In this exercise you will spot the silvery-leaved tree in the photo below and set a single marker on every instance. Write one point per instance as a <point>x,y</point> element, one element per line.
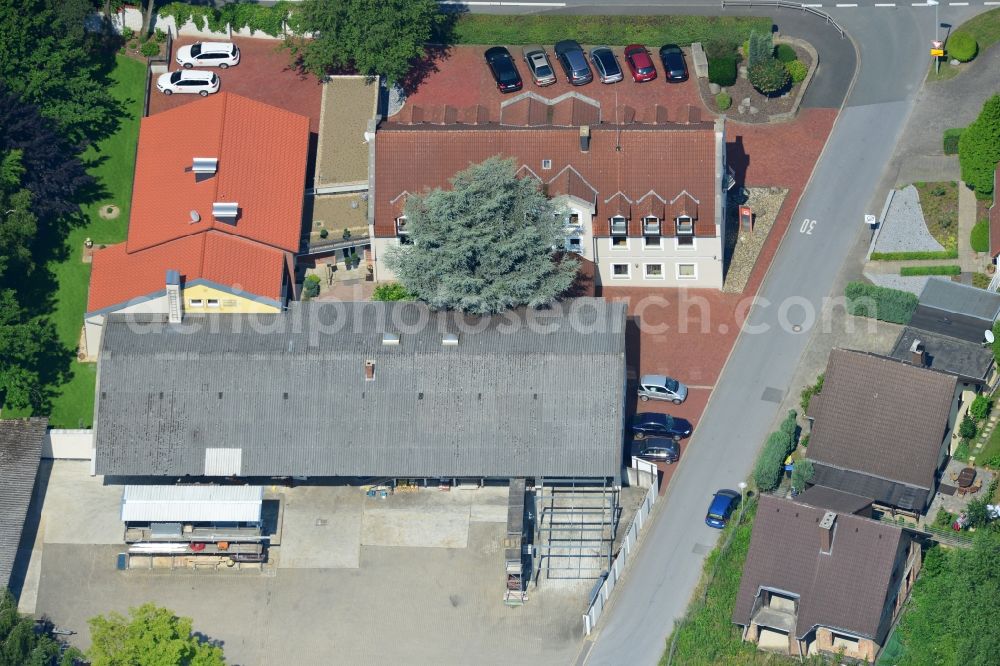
<point>487,245</point>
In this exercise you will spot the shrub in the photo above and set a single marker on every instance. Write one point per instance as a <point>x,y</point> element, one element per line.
<point>768,76</point>
<point>767,471</point>
<point>159,36</point>
<point>961,451</point>
<point>979,148</point>
<point>722,71</point>
<point>804,441</point>
<point>951,137</point>
<point>967,428</point>
<point>760,48</point>
<point>150,49</point>
<point>809,391</point>
<point>785,53</point>
<point>910,271</point>
<point>980,407</point>
<point>127,33</point>
<point>868,300</point>
<point>962,46</point>
<point>797,70</point>
<point>723,101</point>
<point>310,287</point>
<point>323,233</point>
<point>944,519</point>
<point>802,473</point>
<point>980,238</point>
<point>720,48</point>
<point>908,256</point>
<point>391,291</point>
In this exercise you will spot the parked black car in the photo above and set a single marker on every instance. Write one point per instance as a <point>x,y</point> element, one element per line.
<point>574,62</point>
<point>662,425</point>
<point>504,70</point>
<point>656,449</point>
<point>674,66</point>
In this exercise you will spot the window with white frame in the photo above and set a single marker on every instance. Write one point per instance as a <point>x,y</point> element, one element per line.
<point>619,242</point>
<point>653,271</point>
<point>574,219</point>
<point>684,242</point>
<point>651,225</point>
<point>213,302</point>
<point>195,303</point>
<point>685,225</point>
<point>619,225</point>
<point>574,244</point>
<point>687,271</point>
<point>652,242</point>
<point>621,271</point>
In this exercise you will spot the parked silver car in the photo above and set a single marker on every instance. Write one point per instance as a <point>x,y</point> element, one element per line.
<point>539,66</point>
<point>661,387</point>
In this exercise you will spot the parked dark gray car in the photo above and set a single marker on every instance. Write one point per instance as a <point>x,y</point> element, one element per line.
<point>574,62</point>
<point>606,64</point>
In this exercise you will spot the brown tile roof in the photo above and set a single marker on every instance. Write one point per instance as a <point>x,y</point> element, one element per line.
<point>881,417</point>
<point>823,497</point>
<point>574,111</point>
<point>665,160</point>
<point>995,215</point>
<point>844,589</point>
<point>525,112</point>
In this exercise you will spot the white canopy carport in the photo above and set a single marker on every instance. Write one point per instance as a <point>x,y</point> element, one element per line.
<point>192,504</point>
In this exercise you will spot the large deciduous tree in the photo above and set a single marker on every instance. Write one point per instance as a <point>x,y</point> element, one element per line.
<point>979,148</point>
<point>21,643</point>
<point>152,636</point>
<point>484,246</point>
<point>48,59</point>
<point>372,37</point>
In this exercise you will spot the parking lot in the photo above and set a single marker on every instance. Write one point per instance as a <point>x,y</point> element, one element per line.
<point>264,74</point>
<point>415,577</point>
<point>460,77</point>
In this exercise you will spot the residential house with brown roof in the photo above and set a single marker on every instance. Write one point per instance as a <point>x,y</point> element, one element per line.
<point>817,580</point>
<point>881,429</point>
<point>216,216</point>
<point>995,217</point>
<point>642,194</point>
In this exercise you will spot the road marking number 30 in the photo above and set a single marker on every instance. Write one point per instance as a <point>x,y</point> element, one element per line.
<point>807,227</point>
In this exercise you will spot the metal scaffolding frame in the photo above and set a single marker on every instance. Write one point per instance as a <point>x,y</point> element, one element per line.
<point>575,525</point>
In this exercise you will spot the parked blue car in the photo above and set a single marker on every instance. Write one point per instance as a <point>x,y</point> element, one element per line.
<point>723,503</point>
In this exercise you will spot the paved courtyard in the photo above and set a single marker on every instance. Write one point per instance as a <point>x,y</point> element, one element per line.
<point>416,577</point>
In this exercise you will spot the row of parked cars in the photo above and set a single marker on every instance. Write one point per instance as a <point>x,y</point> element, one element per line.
<point>200,54</point>
<point>577,66</point>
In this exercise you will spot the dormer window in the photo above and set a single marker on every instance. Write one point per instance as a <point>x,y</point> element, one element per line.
<point>619,226</point>
<point>651,226</point>
<point>685,225</point>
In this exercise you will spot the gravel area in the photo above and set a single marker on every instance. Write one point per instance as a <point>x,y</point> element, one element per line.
<point>397,98</point>
<point>914,285</point>
<point>765,203</point>
<point>349,102</point>
<point>904,228</point>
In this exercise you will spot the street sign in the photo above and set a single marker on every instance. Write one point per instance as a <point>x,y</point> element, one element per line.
<point>937,53</point>
<point>937,44</point>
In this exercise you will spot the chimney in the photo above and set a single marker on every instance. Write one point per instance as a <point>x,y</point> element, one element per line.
<point>174,308</point>
<point>918,356</point>
<point>585,138</point>
<point>826,525</point>
<point>369,371</point>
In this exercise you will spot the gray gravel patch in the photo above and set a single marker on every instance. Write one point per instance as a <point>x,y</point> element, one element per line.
<point>914,285</point>
<point>396,100</point>
<point>904,228</point>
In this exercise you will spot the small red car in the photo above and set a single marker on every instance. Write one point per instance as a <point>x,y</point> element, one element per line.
<point>639,63</point>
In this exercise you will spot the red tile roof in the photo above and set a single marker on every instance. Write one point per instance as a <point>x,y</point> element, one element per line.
<point>995,215</point>
<point>262,152</point>
<point>225,260</point>
<point>630,159</point>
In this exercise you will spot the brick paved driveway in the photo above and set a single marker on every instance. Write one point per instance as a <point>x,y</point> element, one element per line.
<point>459,77</point>
<point>264,74</point>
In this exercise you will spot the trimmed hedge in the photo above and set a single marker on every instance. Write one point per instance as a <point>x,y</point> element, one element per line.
<point>785,53</point>
<point>980,239</point>
<point>723,101</point>
<point>797,70</point>
<point>882,303</point>
<point>722,71</point>
<point>962,46</point>
<point>611,30</point>
<point>767,472</point>
<point>910,271</point>
<point>907,256</point>
<point>950,140</point>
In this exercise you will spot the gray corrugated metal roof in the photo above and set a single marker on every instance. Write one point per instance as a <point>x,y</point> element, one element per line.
<point>20,450</point>
<point>192,504</point>
<point>518,396</point>
<point>958,298</point>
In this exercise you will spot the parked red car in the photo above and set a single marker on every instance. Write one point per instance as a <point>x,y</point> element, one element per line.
<point>639,63</point>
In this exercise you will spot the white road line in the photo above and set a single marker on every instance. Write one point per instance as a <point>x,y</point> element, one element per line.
<point>991,3</point>
<point>958,4</point>
<point>885,4</point>
<point>847,4</point>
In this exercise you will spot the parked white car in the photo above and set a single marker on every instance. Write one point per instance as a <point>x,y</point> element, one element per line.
<point>208,54</point>
<point>188,81</point>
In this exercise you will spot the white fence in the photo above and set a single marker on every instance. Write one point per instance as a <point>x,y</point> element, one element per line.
<point>68,444</point>
<point>602,593</point>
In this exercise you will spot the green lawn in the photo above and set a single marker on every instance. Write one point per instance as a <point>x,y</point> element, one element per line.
<point>112,163</point>
<point>613,30</point>
<point>990,452</point>
<point>985,28</point>
<point>939,203</point>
